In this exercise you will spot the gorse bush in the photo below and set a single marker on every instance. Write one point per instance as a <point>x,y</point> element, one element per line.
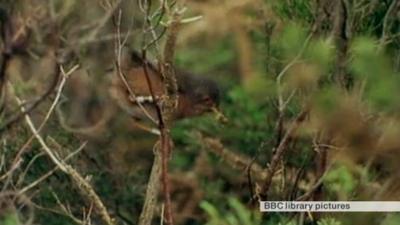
<point>308,93</point>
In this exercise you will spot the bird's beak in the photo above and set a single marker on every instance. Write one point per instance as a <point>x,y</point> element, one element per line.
<point>219,115</point>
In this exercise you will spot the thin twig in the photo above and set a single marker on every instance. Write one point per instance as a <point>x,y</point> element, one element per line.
<point>48,114</point>
<point>152,190</point>
<point>81,183</point>
<point>235,160</point>
<point>118,51</point>
<point>49,173</point>
<point>316,185</point>
<point>293,62</point>
<point>280,150</point>
<point>165,108</point>
<point>385,25</point>
<point>22,113</point>
<point>170,105</point>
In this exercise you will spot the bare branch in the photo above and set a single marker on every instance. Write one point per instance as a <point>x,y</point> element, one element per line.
<point>280,151</point>
<point>152,190</point>
<point>81,183</point>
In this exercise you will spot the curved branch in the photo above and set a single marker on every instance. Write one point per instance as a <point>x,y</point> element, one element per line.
<point>14,119</point>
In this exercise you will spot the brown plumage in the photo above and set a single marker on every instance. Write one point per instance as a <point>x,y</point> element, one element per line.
<point>197,95</point>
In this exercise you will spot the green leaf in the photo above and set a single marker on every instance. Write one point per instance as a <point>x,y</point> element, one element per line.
<point>292,39</point>
<point>329,221</point>
<point>340,179</point>
<point>391,219</point>
<point>242,213</point>
<point>321,52</point>
<point>10,219</point>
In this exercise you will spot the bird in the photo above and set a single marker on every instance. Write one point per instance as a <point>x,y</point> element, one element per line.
<point>196,94</point>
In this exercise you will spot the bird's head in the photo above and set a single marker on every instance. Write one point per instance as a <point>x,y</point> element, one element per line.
<point>197,95</point>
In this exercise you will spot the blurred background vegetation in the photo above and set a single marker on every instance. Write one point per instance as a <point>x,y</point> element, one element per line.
<point>337,63</point>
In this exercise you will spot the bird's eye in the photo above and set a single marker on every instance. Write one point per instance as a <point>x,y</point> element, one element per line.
<point>207,100</point>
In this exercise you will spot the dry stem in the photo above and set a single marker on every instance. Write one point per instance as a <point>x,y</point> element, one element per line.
<point>82,184</point>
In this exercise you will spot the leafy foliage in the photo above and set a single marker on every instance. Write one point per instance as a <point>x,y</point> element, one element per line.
<point>273,60</point>
<point>237,214</point>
